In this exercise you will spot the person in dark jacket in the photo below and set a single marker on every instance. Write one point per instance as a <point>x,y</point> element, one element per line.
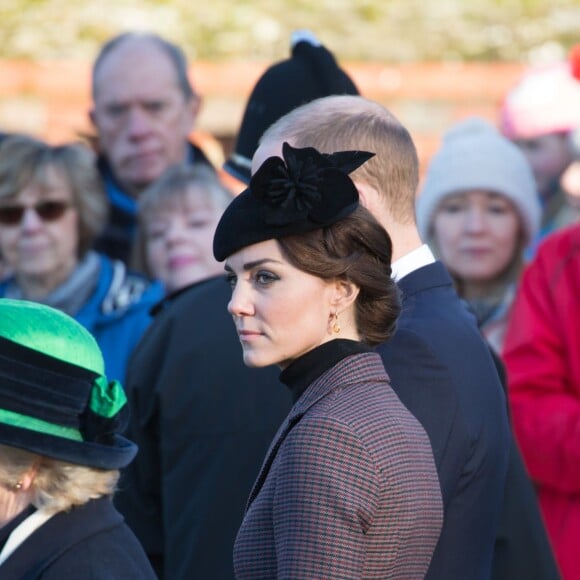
<point>202,419</point>
<point>439,365</point>
<point>60,453</point>
<point>144,108</point>
<point>203,422</point>
<point>51,208</point>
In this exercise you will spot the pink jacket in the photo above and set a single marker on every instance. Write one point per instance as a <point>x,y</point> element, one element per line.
<point>542,356</point>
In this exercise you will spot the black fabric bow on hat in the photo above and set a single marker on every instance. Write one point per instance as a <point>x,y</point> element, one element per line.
<point>306,184</point>
<point>300,192</point>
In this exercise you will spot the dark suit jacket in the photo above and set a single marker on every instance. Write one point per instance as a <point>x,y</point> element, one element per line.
<point>348,488</point>
<point>203,422</point>
<point>88,542</point>
<point>443,372</point>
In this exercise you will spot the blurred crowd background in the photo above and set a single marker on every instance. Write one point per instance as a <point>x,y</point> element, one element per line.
<point>432,63</point>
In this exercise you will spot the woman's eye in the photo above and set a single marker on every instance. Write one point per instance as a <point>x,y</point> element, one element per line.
<point>265,278</point>
<point>498,209</point>
<point>452,208</point>
<point>197,224</point>
<point>231,279</point>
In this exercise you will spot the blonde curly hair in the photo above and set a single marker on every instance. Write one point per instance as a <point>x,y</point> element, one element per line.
<point>58,485</point>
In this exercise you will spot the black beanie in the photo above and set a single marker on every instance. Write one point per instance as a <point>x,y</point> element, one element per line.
<point>310,73</point>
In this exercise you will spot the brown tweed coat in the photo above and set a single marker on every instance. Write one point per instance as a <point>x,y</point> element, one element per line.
<point>348,488</point>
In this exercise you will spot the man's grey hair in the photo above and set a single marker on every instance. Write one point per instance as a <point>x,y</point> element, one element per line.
<point>173,51</point>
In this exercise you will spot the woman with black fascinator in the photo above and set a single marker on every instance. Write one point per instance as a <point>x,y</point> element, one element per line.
<point>349,487</point>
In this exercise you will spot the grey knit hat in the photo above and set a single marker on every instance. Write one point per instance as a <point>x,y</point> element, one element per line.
<point>475,156</point>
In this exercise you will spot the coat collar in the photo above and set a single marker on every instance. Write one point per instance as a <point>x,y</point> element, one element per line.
<point>345,373</point>
<point>340,376</point>
<point>427,277</point>
<point>57,535</point>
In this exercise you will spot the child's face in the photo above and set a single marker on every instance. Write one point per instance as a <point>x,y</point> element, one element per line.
<point>549,156</point>
<point>178,241</point>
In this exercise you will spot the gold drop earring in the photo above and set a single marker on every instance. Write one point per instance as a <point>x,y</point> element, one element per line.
<point>336,325</point>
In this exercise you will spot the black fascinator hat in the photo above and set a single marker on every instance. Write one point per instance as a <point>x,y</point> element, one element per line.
<point>303,191</point>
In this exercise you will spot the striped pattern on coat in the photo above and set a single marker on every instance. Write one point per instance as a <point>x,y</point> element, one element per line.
<point>348,488</point>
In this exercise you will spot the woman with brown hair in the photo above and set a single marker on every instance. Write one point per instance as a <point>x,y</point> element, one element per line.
<point>52,207</point>
<point>349,487</point>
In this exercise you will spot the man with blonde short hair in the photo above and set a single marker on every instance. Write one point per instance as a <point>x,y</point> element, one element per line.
<point>437,361</point>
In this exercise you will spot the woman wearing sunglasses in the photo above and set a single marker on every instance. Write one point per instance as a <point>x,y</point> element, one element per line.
<point>51,209</point>
<point>349,487</point>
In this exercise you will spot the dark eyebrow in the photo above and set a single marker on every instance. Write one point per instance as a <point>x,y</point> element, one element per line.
<point>250,265</point>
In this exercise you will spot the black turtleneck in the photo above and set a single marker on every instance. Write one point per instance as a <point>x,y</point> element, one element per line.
<point>305,370</point>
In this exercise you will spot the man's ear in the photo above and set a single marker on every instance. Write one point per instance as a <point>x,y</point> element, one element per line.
<point>368,196</point>
<point>196,106</point>
<point>93,117</point>
<point>193,109</point>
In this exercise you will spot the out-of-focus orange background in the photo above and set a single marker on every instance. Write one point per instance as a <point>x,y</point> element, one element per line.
<point>51,98</point>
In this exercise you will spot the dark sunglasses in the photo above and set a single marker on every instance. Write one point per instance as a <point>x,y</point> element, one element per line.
<point>47,211</point>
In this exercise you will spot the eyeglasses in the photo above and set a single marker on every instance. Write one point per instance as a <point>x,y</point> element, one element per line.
<point>48,211</point>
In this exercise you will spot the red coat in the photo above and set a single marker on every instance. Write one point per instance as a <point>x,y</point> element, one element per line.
<point>348,488</point>
<point>542,355</point>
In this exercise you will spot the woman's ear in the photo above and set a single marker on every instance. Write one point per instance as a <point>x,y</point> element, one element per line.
<point>344,295</point>
<point>27,478</point>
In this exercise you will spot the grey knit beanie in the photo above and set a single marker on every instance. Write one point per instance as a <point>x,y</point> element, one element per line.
<point>475,156</point>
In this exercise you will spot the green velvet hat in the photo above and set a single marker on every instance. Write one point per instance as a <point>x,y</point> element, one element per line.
<point>54,397</point>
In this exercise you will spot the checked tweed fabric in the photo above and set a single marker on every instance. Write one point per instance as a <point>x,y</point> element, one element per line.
<point>348,488</point>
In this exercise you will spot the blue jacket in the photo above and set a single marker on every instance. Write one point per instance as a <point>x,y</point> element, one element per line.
<point>117,313</point>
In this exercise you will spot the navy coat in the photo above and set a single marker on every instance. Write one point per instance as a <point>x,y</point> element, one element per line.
<point>203,422</point>
<point>88,542</point>
<point>443,372</point>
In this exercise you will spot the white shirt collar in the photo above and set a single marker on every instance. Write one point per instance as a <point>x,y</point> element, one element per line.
<point>25,529</point>
<point>412,261</point>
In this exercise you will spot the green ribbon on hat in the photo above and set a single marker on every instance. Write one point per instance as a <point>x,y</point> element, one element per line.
<point>107,398</point>
<point>33,424</point>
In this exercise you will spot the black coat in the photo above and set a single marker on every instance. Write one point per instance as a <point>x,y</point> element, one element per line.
<point>88,542</point>
<point>203,422</point>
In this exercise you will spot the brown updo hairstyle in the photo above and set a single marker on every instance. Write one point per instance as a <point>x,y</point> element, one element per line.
<point>359,250</point>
